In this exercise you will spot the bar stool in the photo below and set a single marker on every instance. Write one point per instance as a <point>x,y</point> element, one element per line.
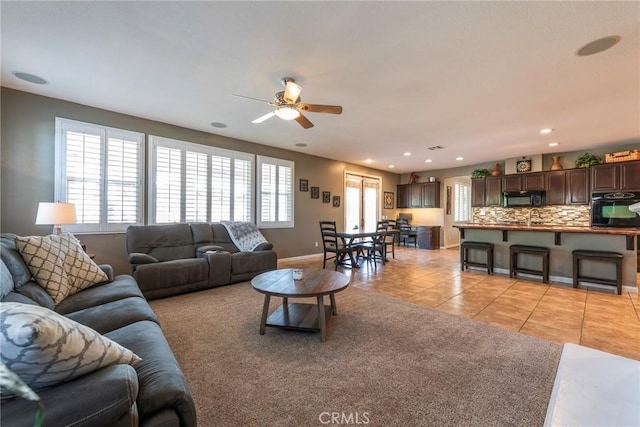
<point>603,256</point>
<point>466,246</point>
<point>515,250</point>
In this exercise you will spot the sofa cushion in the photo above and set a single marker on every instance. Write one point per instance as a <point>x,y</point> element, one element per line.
<point>6,281</point>
<point>34,292</point>
<point>101,318</point>
<point>221,238</point>
<point>123,286</point>
<point>44,348</point>
<point>12,259</point>
<point>172,273</point>
<point>59,264</point>
<point>163,242</point>
<point>201,232</point>
<point>162,384</point>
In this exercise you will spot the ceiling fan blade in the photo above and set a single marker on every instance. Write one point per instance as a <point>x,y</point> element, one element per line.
<point>316,108</point>
<point>263,118</point>
<point>253,99</point>
<point>292,91</point>
<point>304,122</point>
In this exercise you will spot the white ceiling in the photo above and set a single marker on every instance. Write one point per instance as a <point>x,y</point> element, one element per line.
<point>479,78</point>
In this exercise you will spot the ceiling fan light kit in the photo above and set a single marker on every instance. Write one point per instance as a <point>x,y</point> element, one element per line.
<point>288,105</point>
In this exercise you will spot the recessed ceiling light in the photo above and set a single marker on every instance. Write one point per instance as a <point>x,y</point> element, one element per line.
<point>368,161</point>
<point>459,158</point>
<point>31,78</point>
<point>553,144</point>
<point>218,125</point>
<point>407,153</point>
<point>546,130</point>
<point>391,166</point>
<point>301,144</point>
<point>598,46</point>
<point>428,161</point>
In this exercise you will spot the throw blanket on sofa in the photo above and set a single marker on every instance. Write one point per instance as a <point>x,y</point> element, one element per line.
<point>244,235</point>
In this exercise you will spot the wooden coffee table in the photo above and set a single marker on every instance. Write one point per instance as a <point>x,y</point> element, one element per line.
<point>307,317</point>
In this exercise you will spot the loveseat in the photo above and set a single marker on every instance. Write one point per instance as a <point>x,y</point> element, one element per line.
<point>176,258</point>
<point>150,392</point>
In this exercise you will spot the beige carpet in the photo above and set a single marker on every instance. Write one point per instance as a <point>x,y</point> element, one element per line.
<point>385,363</point>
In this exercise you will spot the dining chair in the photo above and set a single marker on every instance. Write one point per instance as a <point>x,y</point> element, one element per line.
<point>333,246</point>
<point>375,248</point>
<point>407,235</point>
<point>390,239</point>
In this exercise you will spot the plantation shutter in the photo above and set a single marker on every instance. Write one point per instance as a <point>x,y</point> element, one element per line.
<point>275,195</point>
<point>462,207</point>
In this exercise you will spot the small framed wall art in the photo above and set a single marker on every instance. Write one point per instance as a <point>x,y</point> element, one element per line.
<point>336,201</point>
<point>523,165</point>
<point>388,200</point>
<point>304,185</point>
<point>315,192</point>
<point>326,197</point>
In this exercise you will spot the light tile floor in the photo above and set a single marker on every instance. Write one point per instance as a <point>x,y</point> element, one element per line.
<point>596,318</point>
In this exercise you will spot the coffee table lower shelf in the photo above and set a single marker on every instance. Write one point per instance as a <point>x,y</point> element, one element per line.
<point>298,316</point>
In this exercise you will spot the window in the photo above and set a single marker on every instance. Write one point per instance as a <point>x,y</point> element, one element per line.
<point>462,205</point>
<point>100,170</point>
<point>275,192</point>
<point>197,183</point>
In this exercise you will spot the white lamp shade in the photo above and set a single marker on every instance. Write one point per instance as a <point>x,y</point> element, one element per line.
<point>56,213</point>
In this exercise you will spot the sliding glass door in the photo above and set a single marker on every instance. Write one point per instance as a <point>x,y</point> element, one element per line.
<point>362,201</point>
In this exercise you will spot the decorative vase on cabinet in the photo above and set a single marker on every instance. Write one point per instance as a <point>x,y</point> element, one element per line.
<point>556,166</point>
<point>496,170</point>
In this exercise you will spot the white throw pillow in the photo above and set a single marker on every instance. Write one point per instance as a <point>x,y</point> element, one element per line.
<point>59,264</point>
<point>44,348</point>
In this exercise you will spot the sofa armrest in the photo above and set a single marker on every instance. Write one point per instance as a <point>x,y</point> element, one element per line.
<point>265,246</point>
<point>209,248</point>
<point>219,267</point>
<point>139,258</point>
<point>100,398</point>
<point>108,270</point>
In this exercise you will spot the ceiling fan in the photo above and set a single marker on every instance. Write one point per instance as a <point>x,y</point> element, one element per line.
<point>289,106</point>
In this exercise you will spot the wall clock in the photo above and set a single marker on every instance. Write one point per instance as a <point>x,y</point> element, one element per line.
<point>523,165</point>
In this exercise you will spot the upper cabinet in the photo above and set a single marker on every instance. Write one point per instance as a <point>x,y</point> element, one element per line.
<point>524,182</point>
<point>556,184</point>
<point>477,192</point>
<point>578,187</point>
<point>421,195</point>
<point>493,191</point>
<point>616,176</point>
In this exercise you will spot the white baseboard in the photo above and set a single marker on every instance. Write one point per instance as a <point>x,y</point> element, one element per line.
<point>302,257</point>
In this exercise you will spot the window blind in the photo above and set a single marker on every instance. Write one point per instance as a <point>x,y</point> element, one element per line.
<point>275,195</point>
<point>462,203</point>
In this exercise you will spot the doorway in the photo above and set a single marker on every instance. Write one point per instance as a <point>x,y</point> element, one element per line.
<point>458,194</point>
<point>362,201</point>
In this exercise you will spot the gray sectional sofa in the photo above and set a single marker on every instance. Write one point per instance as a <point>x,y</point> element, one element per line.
<point>153,392</point>
<point>176,258</point>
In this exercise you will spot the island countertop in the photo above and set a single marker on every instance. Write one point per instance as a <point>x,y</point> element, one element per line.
<point>553,228</point>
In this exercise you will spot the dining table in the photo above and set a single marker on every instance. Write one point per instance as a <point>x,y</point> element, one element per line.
<point>353,237</point>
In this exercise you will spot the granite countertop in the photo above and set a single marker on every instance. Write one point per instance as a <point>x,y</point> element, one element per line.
<point>557,228</point>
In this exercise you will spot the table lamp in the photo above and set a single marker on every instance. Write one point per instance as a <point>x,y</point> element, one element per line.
<point>56,214</point>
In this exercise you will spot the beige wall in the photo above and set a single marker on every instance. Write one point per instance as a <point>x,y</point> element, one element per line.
<point>27,173</point>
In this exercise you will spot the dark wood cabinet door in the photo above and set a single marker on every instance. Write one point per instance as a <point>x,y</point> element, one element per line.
<point>630,176</point>
<point>403,196</point>
<point>605,177</point>
<point>415,196</point>
<point>512,183</point>
<point>477,192</point>
<point>533,182</point>
<point>493,195</point>
<point>431,195</point>
<point>578,187</point>
<point>556,185</point>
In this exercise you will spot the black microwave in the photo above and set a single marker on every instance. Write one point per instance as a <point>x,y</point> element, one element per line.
<point>520,199</point>
<point>614,209</point>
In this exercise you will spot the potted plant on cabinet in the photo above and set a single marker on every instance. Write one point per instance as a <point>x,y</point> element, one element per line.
<point>480,173</point>
<point>587,159</point>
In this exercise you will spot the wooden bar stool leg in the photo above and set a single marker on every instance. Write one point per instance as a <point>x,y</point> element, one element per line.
<point>576,270</point>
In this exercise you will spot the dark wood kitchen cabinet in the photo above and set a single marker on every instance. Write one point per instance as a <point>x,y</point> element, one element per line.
<point>477,192</point>
<point>556,184</point>
<point>428,237</point>
<point>578,186</point>
<point>493,191</point>
<point>512,183</point>
<point>533,181</point>
<point>623,176</point>
<point>422,195</point>
<point>430,194</point>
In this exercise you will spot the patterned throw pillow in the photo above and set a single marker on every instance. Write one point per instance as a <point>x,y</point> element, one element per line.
<point>44,348</point>
<point>59,264</point>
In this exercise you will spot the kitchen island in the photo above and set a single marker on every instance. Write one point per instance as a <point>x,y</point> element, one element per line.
<point>562,240</point>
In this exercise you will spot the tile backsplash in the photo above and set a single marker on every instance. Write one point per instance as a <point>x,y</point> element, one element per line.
<point>569,215</point>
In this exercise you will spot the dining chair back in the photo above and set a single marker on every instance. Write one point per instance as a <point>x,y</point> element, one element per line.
<point>376,248</point>
<point>407,235</point>
<point>333,246</point>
